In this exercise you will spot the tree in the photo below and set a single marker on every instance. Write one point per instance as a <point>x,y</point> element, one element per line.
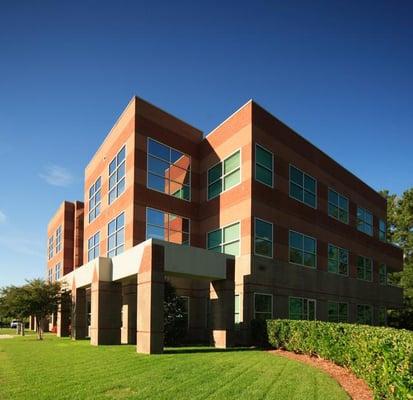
<point>174,320</point>
<point>400,233</point>
<point>37,298</point>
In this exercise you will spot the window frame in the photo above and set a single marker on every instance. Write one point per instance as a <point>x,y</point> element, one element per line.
<point>167,229</point>
<point>148,138</point>
<point>263,166</point>
<point>364,222</point>
<point>372,268</point>
<point>50,274</point>
<point>316,250</point>
<point>117,246</point>
<point>114,172</point>
<point>303,298</point>
<point>272,241</point>
<point>58,239</point>
<point>50,247</point>
<point>93,247</point>
<point>57,269</point>
<point>338,206</point>
<point>90,210</point>
<point>328,259</point>
<point>310,176</point>
<point>338,313</point>
<point>222,244</point>
<point>223,175</point>
<point>272,304</point>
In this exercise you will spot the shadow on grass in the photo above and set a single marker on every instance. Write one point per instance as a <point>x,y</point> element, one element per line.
<point>204,349</point>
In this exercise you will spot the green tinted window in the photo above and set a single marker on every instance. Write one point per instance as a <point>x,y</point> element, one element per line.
<point>303,187</point>
<point>225,240</point>
<point>303,249</point>
<point>224,175</point>
<point>337,260</point>
<point>262,306</point>
<point>337,206</point>
<point>364,268</point>
<point>263,238</point>
<point>264,168</point>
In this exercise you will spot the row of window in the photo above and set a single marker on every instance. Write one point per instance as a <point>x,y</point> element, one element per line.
<point>117,178</point>
<point>54,246</point>
<point>300,308</point>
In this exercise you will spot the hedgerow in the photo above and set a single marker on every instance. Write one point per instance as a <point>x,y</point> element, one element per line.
<point>383,357</point>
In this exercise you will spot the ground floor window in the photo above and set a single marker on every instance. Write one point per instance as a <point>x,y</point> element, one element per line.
<point>382,316</point>
<point>364,314</point>
<point>337,312</point>
<point>301,308</point>
<point>262,306</point>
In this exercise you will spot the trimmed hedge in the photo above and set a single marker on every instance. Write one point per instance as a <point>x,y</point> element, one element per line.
<point>383,357</point>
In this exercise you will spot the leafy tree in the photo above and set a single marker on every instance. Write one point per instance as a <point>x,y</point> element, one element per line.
<point>36,298</point>
<point>400,232</point>
<point>174,320</point>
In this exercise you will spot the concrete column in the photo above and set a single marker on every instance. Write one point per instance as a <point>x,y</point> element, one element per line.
<point>79,318</point>
<point>106,305</point>
<point>151,284</point>
<point>63,319</point>
<point>129,304</point>
<point>223,308</point>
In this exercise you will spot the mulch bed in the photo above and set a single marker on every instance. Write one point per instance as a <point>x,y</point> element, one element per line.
<point>356,388</point>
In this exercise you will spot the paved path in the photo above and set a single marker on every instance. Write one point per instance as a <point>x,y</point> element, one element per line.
<point>6,337</point>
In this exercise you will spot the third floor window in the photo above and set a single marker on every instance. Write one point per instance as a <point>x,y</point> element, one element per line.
<point>264,166</point>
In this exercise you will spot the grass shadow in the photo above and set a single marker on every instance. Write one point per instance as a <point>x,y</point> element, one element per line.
<point>204,349</point>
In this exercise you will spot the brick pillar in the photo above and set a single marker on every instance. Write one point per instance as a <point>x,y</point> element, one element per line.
<point>79,317</point>
<point>223,308</point>
<point>151,284</point>
<point>129,303</point>
<point>106,305</point>
<point>63,319</point>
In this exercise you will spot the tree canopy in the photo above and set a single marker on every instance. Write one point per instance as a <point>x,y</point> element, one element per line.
<point>36,298</point>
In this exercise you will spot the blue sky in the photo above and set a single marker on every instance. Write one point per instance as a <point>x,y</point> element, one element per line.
<point>340,73</point>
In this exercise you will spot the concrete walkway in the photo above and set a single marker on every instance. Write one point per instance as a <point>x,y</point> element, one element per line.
<point>6,336</point>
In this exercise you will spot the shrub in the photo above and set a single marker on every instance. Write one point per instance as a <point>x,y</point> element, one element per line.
<point>383,357</point>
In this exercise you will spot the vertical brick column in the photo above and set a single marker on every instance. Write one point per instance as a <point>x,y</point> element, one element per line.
<point>129,304</point>
<point>150,318</point>
<point>106,306</point>
<point>79,317</point>
<point>223,308</point>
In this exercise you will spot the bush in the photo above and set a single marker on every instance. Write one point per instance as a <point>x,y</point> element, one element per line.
<point>383,357</point>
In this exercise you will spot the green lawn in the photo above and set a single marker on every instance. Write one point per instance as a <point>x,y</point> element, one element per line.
<point>64,369</point>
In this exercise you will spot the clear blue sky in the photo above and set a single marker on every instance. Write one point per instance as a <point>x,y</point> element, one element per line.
<point>340,73</point>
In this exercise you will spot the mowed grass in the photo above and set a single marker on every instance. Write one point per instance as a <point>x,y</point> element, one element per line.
<point>64,369</point>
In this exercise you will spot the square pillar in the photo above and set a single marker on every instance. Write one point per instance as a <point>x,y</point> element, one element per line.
<point>106,306</point>
<point>129,304</point>
<point>79,317</point>
<point>63,319</point>
<point>150,310</point>
<point>223,308</point>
